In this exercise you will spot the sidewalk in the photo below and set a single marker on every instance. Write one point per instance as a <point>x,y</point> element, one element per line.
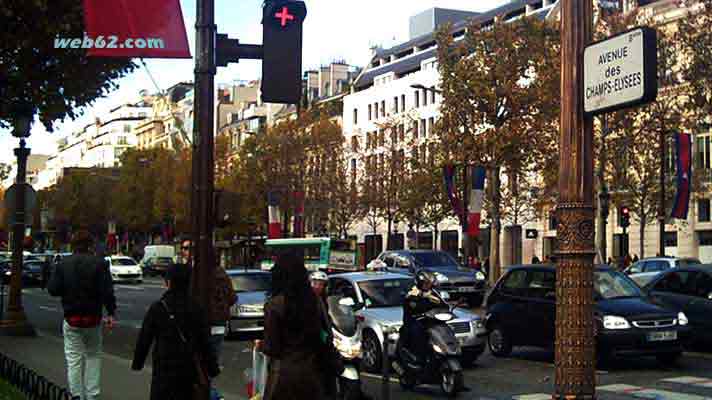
<point>45,355</point>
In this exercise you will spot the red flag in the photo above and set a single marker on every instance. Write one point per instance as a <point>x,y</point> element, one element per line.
<point>136,28</point>
<point>683,145</point>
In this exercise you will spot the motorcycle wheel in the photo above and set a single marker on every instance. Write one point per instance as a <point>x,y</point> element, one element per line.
<point>406,381</point>
<point>451,383</point>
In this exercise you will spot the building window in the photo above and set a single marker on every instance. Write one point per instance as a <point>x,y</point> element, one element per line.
<point>423,128</point>
<point>122,141</point>
<point>703,210</point>
<point>704,238</point>
<point>355,116</point>
<point>425,97</point>
<point>401,132</point>
<point>415,129</point>
<point>354,143</point>
<point>552,221</point>
<point>417,98</point>
<point>423,153</point>
<point>431,125</point>
<point>432,97</point>
<point>403,102</point>
<point>375,108</point>
<point>395,104</point>
<point>381,138</point>
<point>127,128</point>
<point>383,108</point>
<point>369,112</point>
<point>703,152</point>
<point>353,166</point>
<point>670,239</point>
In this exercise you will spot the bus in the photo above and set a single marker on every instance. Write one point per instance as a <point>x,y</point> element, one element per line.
<point>320,253</point>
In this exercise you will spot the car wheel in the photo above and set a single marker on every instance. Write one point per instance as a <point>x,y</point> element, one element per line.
<point>452,382</point>
<point>371,361</point>
<point>499,343</point>
<point>669,358</point>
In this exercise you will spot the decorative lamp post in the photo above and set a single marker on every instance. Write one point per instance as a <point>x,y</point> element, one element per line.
<point>15,321</point>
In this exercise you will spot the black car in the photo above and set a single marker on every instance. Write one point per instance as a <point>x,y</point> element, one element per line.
<point>690,290</point>
<point>5,271</point>
<point>452,278</point>
<point>156,265</point>
<point>34,272</point>
<point>521,311</point>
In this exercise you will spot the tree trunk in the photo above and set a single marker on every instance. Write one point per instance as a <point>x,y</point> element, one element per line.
<point>435,237</point>
<point>494,259</point>
<point>643,223</point>
<point>388,235</point>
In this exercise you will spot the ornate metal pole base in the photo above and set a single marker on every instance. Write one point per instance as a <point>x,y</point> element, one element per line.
<point>575,342</point>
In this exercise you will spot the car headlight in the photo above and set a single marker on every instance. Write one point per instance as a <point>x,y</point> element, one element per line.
<point>438,349</point>
<point>682,319</point>
<point>477,324</point>
<point>479,276</point>
<point>613,322</point>
<point>441,278</point>
<point>393,328</point>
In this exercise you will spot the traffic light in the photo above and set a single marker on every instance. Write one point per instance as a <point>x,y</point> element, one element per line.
<point>282,51</point>
<point>625,217</point>
<point>226,208</point>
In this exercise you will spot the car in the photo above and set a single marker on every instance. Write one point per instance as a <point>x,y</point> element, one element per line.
<point>5,271</point>
<point>252,288</point>
<point>453,279</point>
<point>690,290</point>
<point>124,269</point>
<point>32,272</point>
<point>57,258</point>
<point>156,265</point>
<point>379,296</point>
<point>521,311</point>
<point>643,271</point>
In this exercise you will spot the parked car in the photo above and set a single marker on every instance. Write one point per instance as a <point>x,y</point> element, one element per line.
<point>32,272</point>
<point>452,278</point>
<point>156,265</point>
<point>5,271</point>
<point>690,290</point>
<point>643,271</point>
<point>252,288</point>
<point>380,297</point>
<point>521,311</point>
<point>124,269</point>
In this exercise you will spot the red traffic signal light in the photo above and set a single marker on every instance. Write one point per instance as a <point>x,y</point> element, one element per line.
<point>625,211</point>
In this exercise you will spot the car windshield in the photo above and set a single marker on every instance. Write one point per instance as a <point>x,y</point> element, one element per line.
<point>435,259</point>
<point>614,285</point>
<point>33,266</point>
<point>123,262</point>
<point>385,293</point>
<point>252,282</point>
<point>162,260</point>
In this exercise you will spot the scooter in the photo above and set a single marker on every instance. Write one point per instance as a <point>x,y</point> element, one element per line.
<point>347,341</point>
<point>440,361</point>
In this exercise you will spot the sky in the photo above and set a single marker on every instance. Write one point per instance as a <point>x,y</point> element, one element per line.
<point>333,30</point>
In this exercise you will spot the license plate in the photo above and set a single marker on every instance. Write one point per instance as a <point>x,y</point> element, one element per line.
<point>466,289</point>
<point>662,336</point>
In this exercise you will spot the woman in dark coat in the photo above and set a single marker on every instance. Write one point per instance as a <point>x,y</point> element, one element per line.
<point>173,366</point>
<point>292,334</point>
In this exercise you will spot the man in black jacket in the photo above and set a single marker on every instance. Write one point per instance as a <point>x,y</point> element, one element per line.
<point>84,283</point>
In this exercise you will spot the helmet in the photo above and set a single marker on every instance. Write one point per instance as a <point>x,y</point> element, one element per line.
<point>318,276</point>
<point>424,276</point>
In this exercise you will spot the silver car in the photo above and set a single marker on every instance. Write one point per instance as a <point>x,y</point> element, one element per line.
<point>380,296</point>
<point>645,270</point>
<point>252,288</point>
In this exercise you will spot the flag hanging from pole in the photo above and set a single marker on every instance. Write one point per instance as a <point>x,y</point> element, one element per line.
<point>298,213</point>
<point>683,146</point>
<point>135,28</point>
<point>449,178</point>
<point>476,198</point>
<point>275,224</point>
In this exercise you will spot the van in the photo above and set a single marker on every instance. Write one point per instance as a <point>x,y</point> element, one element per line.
<point>158,251</point>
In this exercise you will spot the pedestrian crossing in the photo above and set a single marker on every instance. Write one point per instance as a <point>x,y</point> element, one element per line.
<point>675,388</point>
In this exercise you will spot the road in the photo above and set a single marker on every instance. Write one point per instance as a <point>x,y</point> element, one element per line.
<point>527,375</point>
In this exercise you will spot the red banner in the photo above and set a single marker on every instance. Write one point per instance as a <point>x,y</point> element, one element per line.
<point>135,28</point>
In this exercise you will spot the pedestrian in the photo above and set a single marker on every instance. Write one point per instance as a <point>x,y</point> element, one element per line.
<point>476,263</point>
<point>535,260</point>
<point>635,258</point>
<point>83,281</point>
<point>626,261</point>
<point>292,334</point>
<point>318,281</point>
<point>610,261</point>
<point>223,298</point>
<point>177,329</point>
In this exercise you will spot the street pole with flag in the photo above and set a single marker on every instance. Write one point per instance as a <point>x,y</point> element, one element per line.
<point>274,215</point>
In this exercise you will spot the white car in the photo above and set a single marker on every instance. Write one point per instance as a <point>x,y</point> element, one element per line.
<point>124,269</point>
<point>645,270</point>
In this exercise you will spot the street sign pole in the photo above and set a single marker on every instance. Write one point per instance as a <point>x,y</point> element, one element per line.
<point>575,352</point>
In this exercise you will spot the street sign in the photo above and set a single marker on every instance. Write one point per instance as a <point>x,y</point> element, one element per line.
<point>10,206</point>
<point>532,234</point>
<point>621,71</point>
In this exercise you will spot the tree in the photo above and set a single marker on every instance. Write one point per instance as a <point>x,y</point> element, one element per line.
<point>500,86</point>
<point>696,40</point>
<point>79,199</point>
<point>54,83</point>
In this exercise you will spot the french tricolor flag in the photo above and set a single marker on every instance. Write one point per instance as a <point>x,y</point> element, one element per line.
<point>275,223</point>
<point>683,143</point>
<point>474,208</point>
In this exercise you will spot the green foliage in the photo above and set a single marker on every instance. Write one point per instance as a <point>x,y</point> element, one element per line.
<point>57,83</point>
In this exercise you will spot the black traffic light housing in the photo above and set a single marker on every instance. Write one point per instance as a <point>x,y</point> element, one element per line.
<point>624,217</point>
<point>227,208</point>
<point>282,51</point>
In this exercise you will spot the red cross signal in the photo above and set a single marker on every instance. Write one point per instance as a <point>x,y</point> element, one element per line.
<point>284,16</point>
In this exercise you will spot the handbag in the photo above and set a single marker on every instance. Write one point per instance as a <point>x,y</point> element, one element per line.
<point>202,386</point>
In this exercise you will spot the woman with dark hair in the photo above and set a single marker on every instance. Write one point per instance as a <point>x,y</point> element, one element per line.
<point>292,336</point>
<point>179,329</point>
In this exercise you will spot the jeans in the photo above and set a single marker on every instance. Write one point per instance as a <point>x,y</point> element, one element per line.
<point>216,344</point>
<point>82,349</point>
